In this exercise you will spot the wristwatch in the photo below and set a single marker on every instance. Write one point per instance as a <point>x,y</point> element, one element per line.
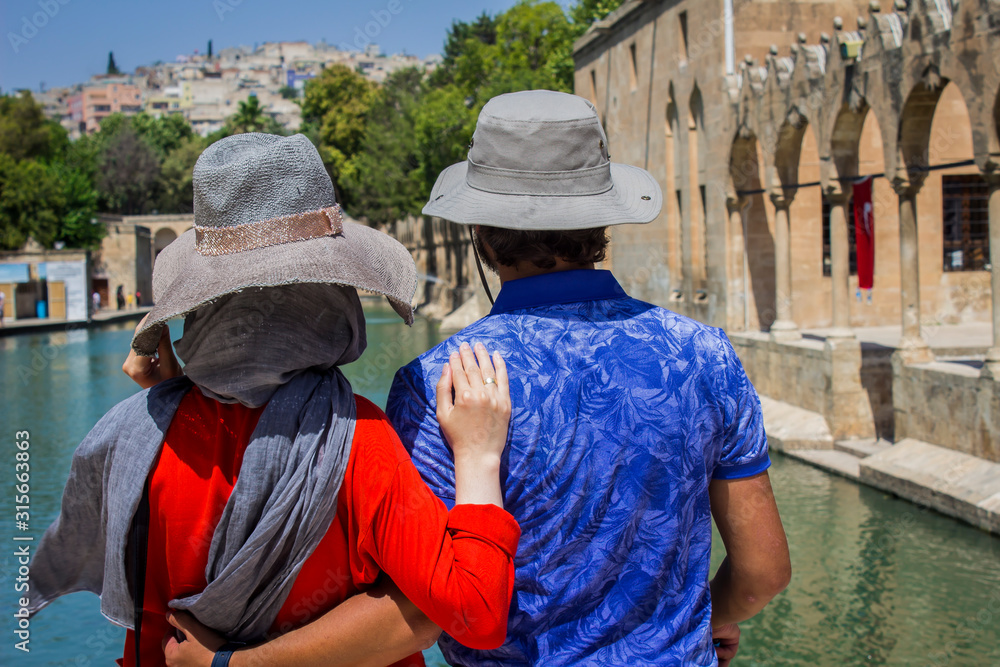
<point>225,652</point>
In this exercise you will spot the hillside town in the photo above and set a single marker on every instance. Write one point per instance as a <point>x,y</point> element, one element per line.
<point>206,88</point>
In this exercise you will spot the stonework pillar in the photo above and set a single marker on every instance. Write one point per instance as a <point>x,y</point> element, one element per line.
<point>737,272</point>
<point>913,348</point>
<point>840,260</point>
<point>784,327</point>
<point>992,367</point>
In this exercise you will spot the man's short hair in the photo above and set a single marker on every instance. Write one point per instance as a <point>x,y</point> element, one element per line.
<point>541,248</point>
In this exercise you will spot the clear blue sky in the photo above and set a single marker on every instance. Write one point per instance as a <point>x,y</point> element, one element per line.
<point>76,35</point>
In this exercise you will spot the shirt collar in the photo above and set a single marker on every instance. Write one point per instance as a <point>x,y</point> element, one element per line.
<point>550,289</point>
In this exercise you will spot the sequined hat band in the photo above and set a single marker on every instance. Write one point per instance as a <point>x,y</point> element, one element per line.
<point>276,231</point>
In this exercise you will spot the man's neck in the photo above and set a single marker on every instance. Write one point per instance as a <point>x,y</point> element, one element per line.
<point>528,270</point>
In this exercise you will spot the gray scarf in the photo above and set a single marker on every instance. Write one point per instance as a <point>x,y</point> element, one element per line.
<point>286,495</point>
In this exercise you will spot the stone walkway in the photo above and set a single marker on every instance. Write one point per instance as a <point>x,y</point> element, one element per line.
<point>956,484</point>
<point>974,337</point>
<point>35,325</point>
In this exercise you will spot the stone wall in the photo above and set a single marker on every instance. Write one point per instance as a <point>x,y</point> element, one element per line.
<point>824,378</point>
<point>948,404</point>
<point>446,268</point>
<point>820,92</point>
<point>125,259</point>
<point>876,378</point>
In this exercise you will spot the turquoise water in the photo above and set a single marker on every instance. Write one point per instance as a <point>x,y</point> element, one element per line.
<point>877,580</point>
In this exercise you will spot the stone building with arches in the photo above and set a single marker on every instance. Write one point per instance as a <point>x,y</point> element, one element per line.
<point>758,118</point>
<point>128,253</point>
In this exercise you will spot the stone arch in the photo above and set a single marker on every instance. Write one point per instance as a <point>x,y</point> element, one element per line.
<point>915,124</point>
<point>871,161</point>
<point>845,139</point>
<point>788,149</point>
<point>745,170</point>
<point>952,207</point>
<point>164,237</point>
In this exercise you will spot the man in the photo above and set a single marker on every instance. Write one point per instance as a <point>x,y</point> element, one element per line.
<point>632,426</point>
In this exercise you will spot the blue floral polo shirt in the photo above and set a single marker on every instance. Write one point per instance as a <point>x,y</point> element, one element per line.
<point>622,414</point>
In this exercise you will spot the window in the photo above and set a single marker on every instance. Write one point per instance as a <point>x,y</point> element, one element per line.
<point>683,20</point>
<point>851,242</point>
<point>98,108</point>
<point>633,74</point>
<point>966,223</point>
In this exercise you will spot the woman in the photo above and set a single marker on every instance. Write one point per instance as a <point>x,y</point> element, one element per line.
<point>257,492</point>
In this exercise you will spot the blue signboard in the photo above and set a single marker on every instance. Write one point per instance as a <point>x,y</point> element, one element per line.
<point>13,273</point>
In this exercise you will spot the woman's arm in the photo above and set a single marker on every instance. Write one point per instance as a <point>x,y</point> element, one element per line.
<point>372,629</point>
<point>473,410</point>
<point>465,579</point>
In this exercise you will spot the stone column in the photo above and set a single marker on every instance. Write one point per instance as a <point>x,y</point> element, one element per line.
<point>737,271</point>
<point>992,367</point>
<point>913,348</point>
<point>784,326</point>
<point>840,260</point>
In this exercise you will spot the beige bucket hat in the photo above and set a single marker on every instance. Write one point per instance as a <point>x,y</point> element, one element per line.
<point>265,214</point>
<point>539,161</point>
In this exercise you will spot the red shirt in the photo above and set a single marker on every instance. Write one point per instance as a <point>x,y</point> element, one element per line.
<point>456,566</point>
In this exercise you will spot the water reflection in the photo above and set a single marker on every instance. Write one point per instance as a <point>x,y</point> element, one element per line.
<point>877,580</point>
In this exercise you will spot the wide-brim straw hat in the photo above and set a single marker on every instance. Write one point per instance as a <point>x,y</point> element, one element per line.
<point>539,160</point>
<point>265,214</point>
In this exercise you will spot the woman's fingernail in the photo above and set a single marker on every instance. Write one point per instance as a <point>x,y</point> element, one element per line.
<point>465,346</point>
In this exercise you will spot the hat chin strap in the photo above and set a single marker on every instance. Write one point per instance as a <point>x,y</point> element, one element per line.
<point>479,265</point>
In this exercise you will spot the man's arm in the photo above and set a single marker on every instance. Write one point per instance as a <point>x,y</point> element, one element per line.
<point>757,565</point>
<point>374,629</point>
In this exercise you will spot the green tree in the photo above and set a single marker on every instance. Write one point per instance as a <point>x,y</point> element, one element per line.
<point>25,132</point>
<point>30,199</point>
<point>443,128</point>
<point>384,181</point>
<point>461,38</point>
<point>335,109</point>
<point>250,116</point>
<point>164,134</point>
<point>176,192</point>
<point>77,209</point>
<point>288,92</point>
<point>534,49</point>
<point>585,13</point>
<point>112,66</point>
<point>129,169</point>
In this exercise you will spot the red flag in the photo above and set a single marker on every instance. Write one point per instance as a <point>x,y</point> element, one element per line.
<point>864,232</point>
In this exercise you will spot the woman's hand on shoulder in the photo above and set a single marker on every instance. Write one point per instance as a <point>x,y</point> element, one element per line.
<point>473,405</point>
<point>150,371</point>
